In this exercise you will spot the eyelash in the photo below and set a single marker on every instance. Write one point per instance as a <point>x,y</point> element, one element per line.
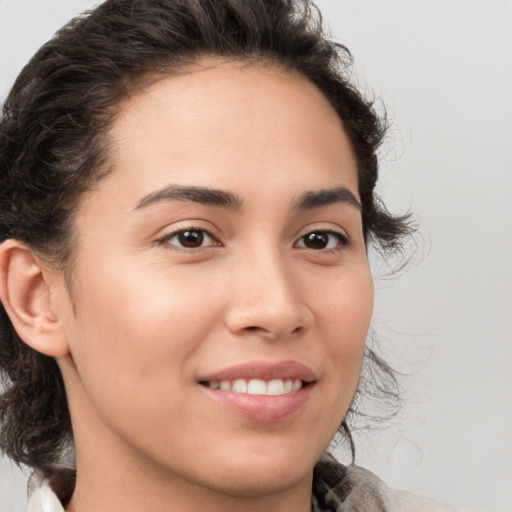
<point>342,240</point>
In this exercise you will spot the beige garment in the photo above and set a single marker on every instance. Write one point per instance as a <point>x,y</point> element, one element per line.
<point>371,494</point>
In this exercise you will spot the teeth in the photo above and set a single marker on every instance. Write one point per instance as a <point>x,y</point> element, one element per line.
<point>258,386</point>
<point>239,386</point>
<point>275,387</point>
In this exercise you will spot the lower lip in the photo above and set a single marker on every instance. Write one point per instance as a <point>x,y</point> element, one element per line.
<point>262,408</point>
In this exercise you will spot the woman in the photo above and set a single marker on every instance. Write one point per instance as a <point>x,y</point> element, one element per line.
<point>187,201</point>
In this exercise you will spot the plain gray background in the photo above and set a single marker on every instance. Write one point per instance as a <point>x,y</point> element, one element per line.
<point>443,68</point>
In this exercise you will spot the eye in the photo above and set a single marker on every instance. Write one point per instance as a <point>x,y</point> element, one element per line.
<point>191,238</point>
<point>322,240</point>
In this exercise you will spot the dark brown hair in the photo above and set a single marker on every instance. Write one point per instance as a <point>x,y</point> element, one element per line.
<point>52,134</point>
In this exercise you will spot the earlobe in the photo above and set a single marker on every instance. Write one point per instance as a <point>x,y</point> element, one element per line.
<point>26,296</point>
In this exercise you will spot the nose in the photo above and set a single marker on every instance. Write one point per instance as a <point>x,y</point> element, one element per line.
<point>267,300</point>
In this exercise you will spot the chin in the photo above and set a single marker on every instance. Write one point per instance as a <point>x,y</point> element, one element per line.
<point>256,482</point>
<point>267,473</point>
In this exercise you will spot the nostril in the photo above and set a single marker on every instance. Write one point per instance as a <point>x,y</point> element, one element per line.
<point>260,331</point>
<point>255,328</point>
<point>268,320</point>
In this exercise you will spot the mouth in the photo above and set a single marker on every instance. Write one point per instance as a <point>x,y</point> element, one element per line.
<point>274,387</point>
<point>262,392</point>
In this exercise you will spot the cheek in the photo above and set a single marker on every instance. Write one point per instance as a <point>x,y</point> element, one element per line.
<point>137,329</point>
<point>344,317</point>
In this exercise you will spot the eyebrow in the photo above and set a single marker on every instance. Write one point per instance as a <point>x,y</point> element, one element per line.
<point>202,195</point>
<point>320,198</point>
<point>225,199</point>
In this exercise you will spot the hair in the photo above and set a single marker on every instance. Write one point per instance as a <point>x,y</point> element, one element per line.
<point>53,130</point>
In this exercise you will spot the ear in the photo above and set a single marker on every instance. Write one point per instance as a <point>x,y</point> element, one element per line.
<point>26,294</point>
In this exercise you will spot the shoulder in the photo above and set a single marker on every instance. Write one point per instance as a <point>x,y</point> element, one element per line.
<point>354,489</point>
<point>393,499</point>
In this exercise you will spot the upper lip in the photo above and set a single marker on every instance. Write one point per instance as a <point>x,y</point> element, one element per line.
<point>264,371</point>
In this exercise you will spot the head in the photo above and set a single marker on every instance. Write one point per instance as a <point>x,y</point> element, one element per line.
<point>151,82</point>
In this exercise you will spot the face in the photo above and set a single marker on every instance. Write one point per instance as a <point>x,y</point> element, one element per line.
<point>222,290</point>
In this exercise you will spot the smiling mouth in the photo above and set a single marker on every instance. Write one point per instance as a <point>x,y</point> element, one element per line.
<point>274,387</point>
<point>265,392</point>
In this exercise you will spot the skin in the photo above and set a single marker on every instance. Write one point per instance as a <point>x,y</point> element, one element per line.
<point>150,316</point>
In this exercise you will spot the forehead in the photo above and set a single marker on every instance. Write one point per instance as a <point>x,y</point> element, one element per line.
<point>228,124</point>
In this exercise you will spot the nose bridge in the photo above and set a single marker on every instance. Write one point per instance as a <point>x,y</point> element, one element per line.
<point>266,299</point>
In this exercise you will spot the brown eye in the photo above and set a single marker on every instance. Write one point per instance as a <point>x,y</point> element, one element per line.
<point>319,240</point>
<point>316,240</point>
<point>190,239</point>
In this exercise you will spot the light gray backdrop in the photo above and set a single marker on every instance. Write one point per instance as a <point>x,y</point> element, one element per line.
<point>444,70</point>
